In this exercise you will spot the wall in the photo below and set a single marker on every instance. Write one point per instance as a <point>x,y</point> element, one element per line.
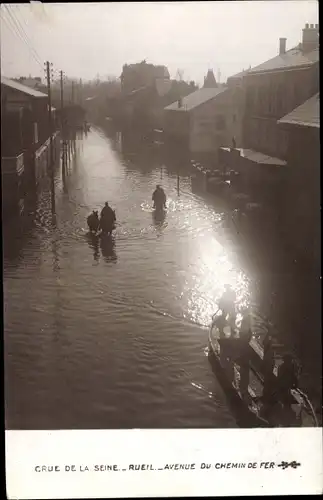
<point>270,96</point>
<point>236,111</point>
<point>13,185</point>
<point>11,133</point>
<point>211,124</point>
<point>42,158</point>
<point>176,123</point>
<point>302,197</point>
<point>34,110</point>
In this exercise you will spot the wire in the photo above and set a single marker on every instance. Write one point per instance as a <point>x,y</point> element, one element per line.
<point>14,28</point>
<point>22,32</point>
<point>16,33</point>
<point>23,35</point>
<point>20,17</point>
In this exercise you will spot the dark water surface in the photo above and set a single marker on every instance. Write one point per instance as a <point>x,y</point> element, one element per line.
<point>114,334</point>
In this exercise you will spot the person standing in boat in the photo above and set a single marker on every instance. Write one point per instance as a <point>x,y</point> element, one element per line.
<point>227,306</point>
<point>270,385</point>
<point>286,379</point>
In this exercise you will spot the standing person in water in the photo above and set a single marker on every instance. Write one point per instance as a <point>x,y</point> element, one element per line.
<point>108,218</point>
<point>159,197</point>
<point>93,221</point>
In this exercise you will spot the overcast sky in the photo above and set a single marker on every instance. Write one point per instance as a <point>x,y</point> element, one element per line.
<point>87,39</point>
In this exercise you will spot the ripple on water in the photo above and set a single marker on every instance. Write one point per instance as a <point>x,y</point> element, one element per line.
<point>119,343</point>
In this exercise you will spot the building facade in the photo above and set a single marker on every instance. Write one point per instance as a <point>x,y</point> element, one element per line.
<point>272,90</point>
<point>201,121</point>
<point>301,209</point>
<point>143,74</point>
<point>275,88</point>
<point>24,131</point>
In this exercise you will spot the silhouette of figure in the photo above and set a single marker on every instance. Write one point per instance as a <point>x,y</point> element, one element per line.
<point>93,241</point>
<point>107,245</point>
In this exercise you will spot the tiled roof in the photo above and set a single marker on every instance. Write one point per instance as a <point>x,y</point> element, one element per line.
<point>21,88</point>
<point>292,58</point>
<point>196,98</point>
<point>239,75</point>
<point>305,115</point>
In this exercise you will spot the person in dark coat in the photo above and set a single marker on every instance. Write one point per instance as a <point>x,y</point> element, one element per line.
<point>93,221</point>
<point>108,219</point>
<point>159,197</point>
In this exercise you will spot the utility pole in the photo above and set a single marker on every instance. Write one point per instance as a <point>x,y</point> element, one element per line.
<point>63,127</point>
<point>80,92</point>
<point>50,127</point>
<point>72,96</point>
<point>72,131</point>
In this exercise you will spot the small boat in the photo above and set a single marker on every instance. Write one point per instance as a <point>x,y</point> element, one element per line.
<point>238,366</point>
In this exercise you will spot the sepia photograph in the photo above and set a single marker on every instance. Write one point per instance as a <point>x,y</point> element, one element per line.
<point>160,169</point>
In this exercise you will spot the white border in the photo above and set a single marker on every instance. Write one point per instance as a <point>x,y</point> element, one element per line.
<point>27,449</point>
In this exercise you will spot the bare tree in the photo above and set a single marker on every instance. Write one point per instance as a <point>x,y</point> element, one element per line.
<point>180,75</point>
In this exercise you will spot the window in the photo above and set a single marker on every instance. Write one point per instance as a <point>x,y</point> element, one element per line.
<point>220,122</point>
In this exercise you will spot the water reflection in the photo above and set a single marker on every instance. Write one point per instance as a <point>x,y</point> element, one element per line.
<point>93,242</point>
<point>159,217</point>
<point>166,288</point>
<point>107,245</point>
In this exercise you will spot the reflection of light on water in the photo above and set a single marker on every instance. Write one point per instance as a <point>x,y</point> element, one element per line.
<point>213,270</point>
<point>201,388</point>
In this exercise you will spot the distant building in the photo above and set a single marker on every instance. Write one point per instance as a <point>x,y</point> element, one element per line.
<point>143,74</point>
<point>199,121</point>
<point>30,81</point>
<point>302,195</point>
<point>210,81</point>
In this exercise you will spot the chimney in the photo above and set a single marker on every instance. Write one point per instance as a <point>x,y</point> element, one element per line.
<point>310,37</point>
<point>282,46</point>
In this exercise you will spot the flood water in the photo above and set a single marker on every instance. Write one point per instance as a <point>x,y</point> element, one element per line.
<point>113,335</point>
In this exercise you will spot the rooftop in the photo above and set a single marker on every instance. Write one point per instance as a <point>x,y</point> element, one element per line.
<point>292,58</point>
<point>21,88</point>
<point>239,75</point>
<point>258,157</point>
<point>196,99</point>
<point>305,115</point>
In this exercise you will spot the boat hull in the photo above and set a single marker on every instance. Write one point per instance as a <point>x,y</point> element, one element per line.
<point>245,392</point>
<point>245,418</point>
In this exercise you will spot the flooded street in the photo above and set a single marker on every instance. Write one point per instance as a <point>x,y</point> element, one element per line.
<point>114,335</point>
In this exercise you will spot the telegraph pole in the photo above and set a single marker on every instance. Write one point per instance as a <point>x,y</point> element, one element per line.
<point>80,92</point>
<point>62,96</point>
<point>71,142</point>
<point>63,131</point>
<point>50,126</point>
<point>72,96</point>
